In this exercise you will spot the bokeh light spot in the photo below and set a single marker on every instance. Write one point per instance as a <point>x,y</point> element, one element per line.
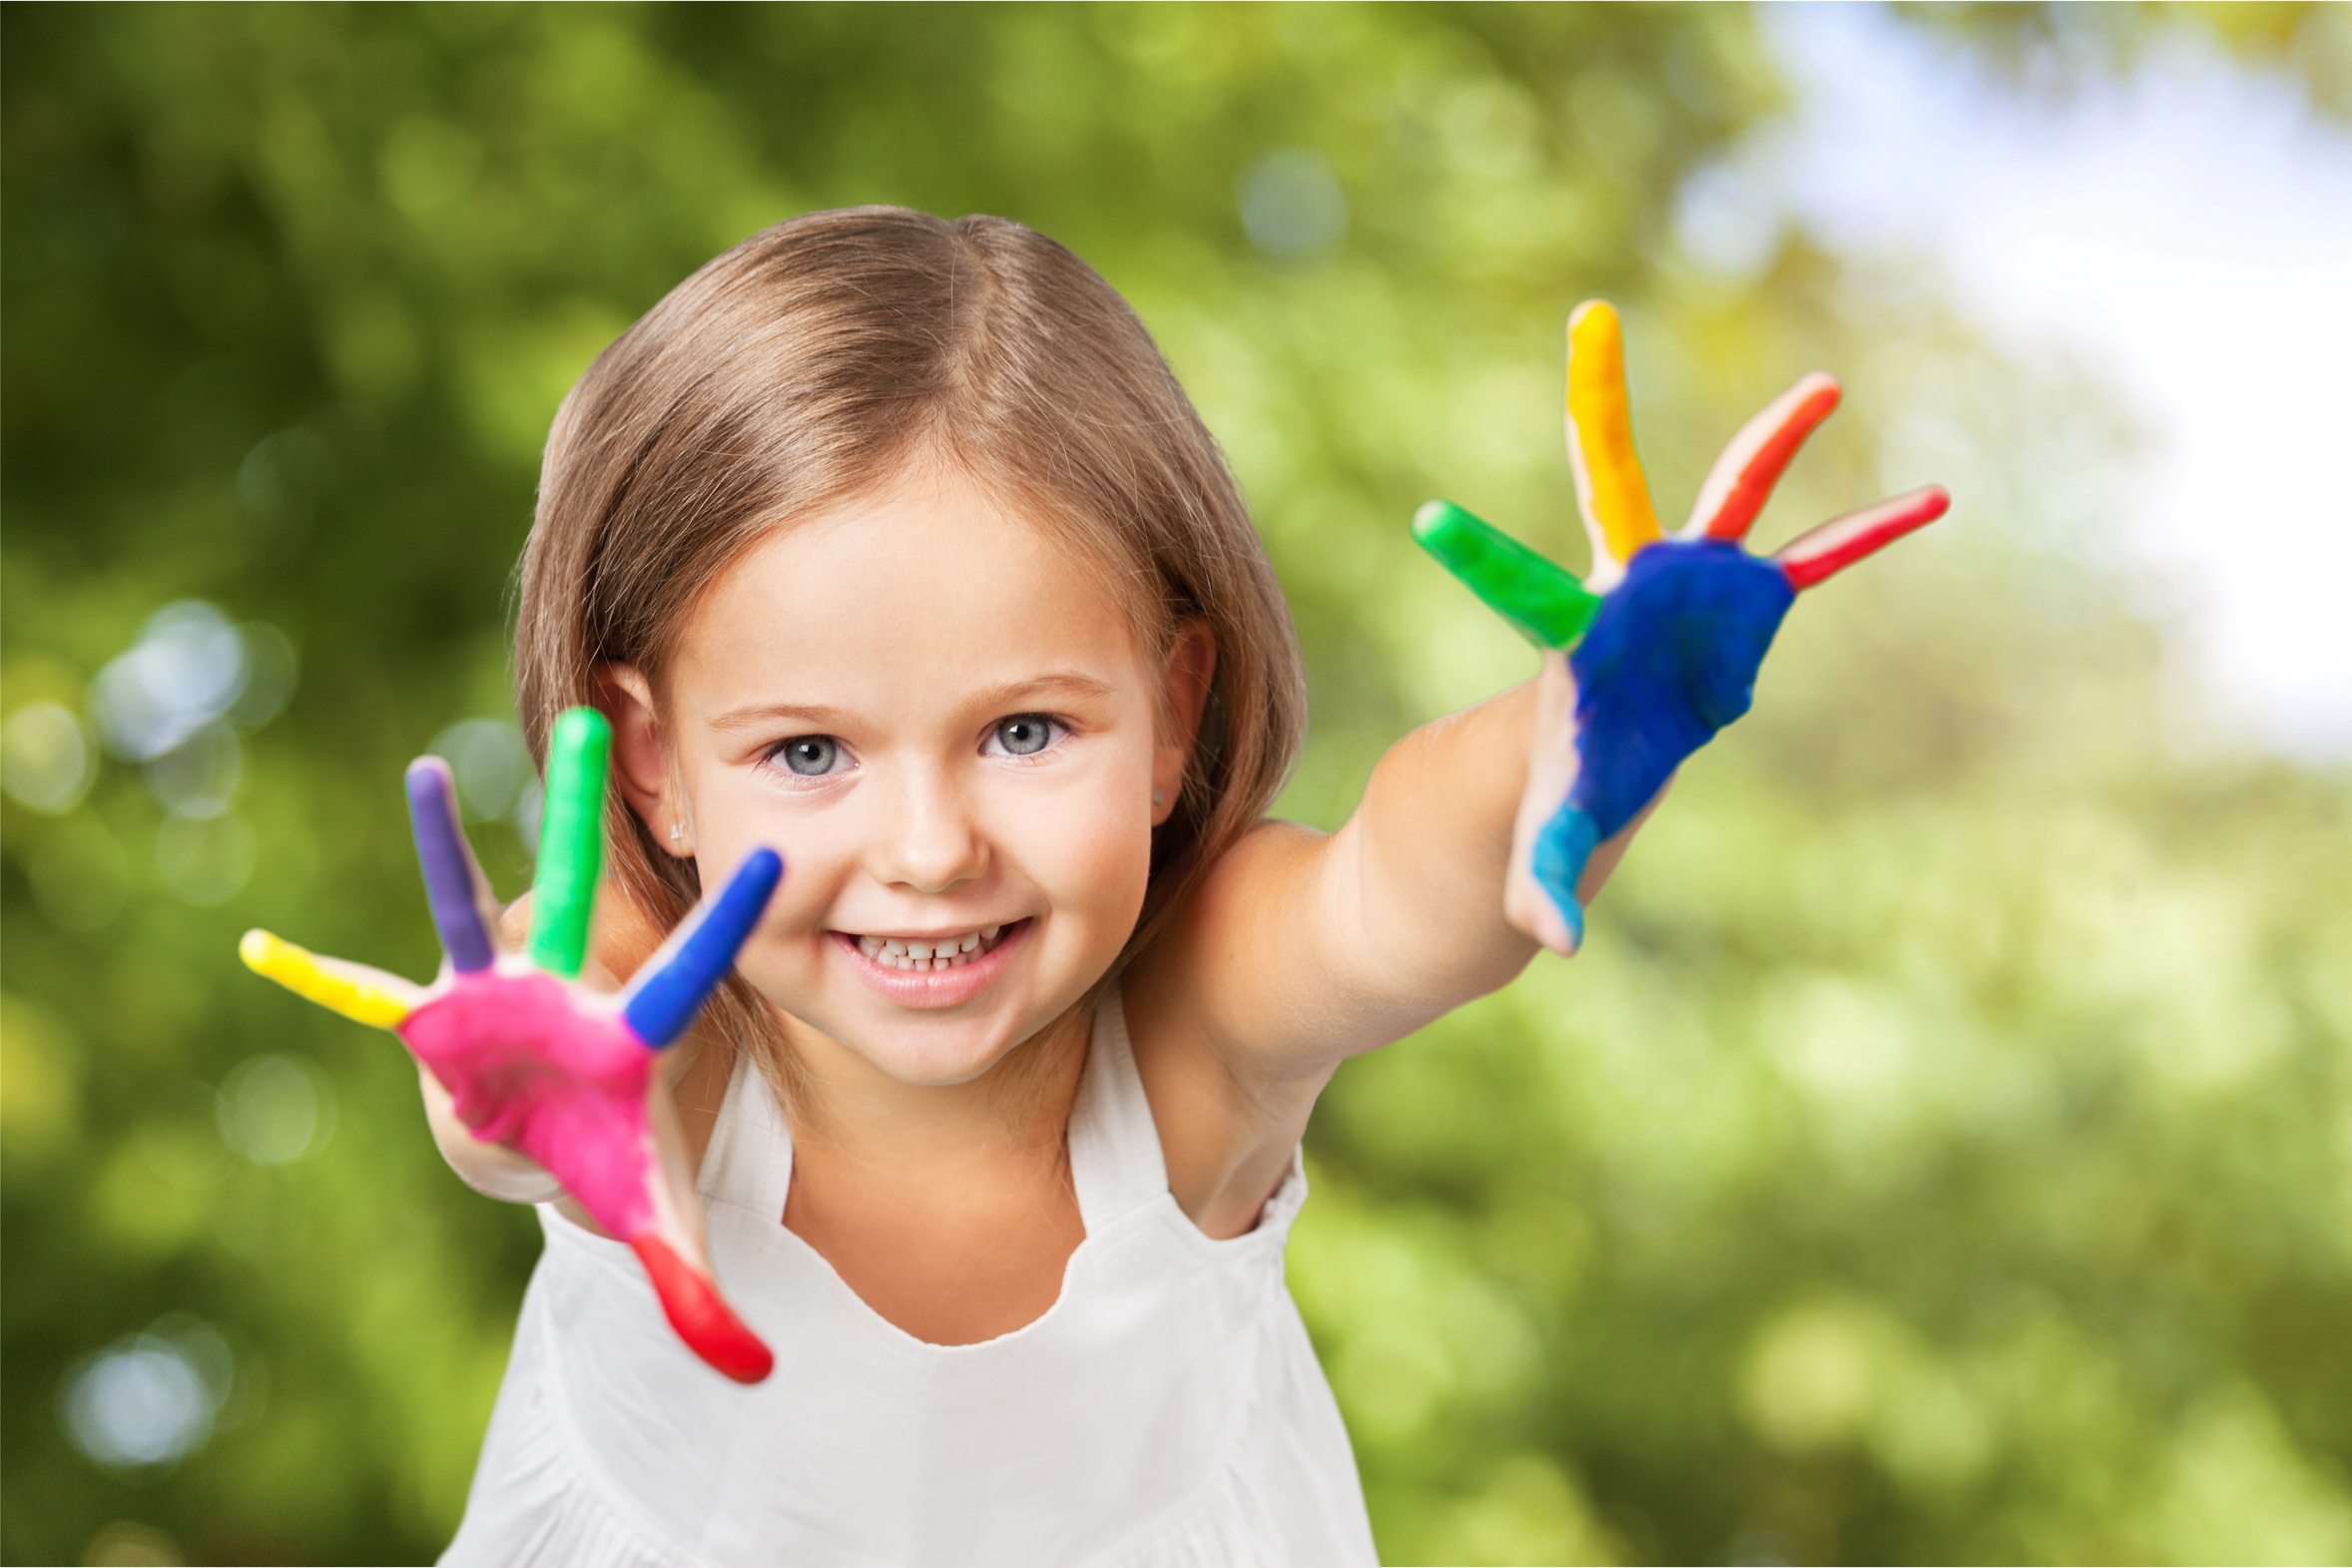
<point>1291,204</point>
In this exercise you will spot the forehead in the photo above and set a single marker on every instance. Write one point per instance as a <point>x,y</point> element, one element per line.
<point>931,581</point>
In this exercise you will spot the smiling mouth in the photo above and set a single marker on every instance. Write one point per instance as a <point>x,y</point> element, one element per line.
<point>954,950</point>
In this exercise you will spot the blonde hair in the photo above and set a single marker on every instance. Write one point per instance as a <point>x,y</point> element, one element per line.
<point>820,358</point>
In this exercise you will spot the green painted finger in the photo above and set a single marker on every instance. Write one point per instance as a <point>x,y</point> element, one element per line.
<point>1546,604</point>
<point>571,841</point>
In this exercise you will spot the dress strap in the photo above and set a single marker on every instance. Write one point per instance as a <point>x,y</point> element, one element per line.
<point>749,1162</point>
<point>1115,1159</point>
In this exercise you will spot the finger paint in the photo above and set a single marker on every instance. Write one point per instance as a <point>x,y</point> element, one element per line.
<point>526,1065</point>
<point>1557,861</point>
<point>533,1064</point>
<point>1542,601</point>
<point>531,1061</point>
<point>1842,541</point>
<point>360,994</point>
<point>450,885</point>
<point>1672,659</point>
<point>676,979</point>
<point>1609,482</point>
<point>571,841</point>
<point>700,1315</point>
<point>1742,479</point>
<point>1670,649</point>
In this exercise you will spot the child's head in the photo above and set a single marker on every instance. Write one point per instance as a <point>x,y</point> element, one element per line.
<point>893,543</point>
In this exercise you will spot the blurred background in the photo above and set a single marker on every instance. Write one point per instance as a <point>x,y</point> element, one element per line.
<point>1944,1150</point>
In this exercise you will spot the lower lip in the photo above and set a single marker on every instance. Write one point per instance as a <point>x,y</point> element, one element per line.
<point>936,987</point>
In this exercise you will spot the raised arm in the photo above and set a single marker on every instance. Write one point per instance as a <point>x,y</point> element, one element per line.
<point>1486,833</point>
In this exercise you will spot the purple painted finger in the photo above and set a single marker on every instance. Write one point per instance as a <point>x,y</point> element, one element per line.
<point>451,884</point>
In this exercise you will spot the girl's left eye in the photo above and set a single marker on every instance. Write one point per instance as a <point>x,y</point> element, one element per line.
<point>1023,735</point>
<point>810,756</point>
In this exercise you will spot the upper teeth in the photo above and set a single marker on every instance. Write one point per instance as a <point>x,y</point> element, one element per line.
<point>947,952</point>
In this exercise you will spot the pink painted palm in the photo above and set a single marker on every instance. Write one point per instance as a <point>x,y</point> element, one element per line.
<point>541,1064</point>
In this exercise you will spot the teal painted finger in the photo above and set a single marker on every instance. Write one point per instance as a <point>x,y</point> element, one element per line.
<point>571,841</point>
<point>1561,849</point>
<point>1541,600</point>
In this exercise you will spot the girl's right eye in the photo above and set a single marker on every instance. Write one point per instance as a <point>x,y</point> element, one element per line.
<point>810,756</point>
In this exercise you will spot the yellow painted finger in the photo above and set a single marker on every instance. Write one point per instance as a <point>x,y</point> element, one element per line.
<point>364,995</point>
<point>1610,484</point>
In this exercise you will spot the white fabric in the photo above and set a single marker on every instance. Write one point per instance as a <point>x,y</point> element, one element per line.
<point>1167,1410</point>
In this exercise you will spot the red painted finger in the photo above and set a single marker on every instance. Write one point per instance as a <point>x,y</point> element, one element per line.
<point>700,1313</point>
<point>1842,541</point>
<point>1742,479</point>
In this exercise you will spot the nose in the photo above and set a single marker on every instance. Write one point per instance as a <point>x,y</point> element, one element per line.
<point>929,841</point>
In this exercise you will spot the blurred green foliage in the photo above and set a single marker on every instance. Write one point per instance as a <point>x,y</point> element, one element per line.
<point>1944,1151</point>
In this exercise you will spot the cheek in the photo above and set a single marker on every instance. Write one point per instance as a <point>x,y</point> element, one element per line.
<point>1088,849</point>
<point>733,816</point>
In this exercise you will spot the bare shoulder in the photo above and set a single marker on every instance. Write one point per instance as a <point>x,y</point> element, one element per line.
<point>1194,1002</point>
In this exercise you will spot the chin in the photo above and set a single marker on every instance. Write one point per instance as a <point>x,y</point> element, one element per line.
<point>929,1057</point>
<point>925,1052</point>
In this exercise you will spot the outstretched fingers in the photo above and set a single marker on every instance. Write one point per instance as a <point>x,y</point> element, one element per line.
<point>361,994</point>
<point>453,883</point>
<point>1742,479</point>
<point>1611,490</point>
<point>673,983</point>
<point>1542,602</point>
<point>1842,541</point>
<point>571,841</point>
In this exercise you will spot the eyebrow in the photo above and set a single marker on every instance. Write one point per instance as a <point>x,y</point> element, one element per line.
<point>1066,684</point>
<point>754,716</point>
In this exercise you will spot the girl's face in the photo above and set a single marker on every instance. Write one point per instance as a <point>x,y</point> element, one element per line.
<point>950,730</point>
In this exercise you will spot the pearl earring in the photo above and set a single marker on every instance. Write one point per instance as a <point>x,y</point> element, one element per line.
<point>1159,798</point>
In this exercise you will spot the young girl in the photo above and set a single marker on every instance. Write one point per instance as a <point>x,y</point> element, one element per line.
<point>891,544</point>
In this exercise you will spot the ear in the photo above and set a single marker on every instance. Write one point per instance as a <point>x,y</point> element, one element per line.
<point>640,759</point>
<point>1192,663</point>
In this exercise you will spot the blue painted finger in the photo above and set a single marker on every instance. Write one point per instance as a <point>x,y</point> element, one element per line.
<point>1561,849</point>
<point>449,883</point>
<point>676,980</point>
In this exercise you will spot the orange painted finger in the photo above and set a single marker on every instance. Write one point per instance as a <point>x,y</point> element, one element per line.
<point>1742,479</point>
<point>1842,541</point>
<point>1611,490</point>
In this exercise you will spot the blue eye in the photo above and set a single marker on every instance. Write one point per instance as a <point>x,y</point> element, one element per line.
<point>1023,735</point>
<point>811,756</point>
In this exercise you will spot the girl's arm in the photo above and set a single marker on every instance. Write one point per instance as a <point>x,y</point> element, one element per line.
<point>1300,949</point>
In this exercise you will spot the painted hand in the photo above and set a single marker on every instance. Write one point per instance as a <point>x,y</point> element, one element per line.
<point>536,1060</point>
<point>1667,633</point>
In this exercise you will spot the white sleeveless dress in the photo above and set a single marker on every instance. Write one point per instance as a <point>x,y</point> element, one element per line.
<point>1167,1410</point>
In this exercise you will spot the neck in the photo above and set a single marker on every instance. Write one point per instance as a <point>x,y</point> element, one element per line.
<point>857,1111</point>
